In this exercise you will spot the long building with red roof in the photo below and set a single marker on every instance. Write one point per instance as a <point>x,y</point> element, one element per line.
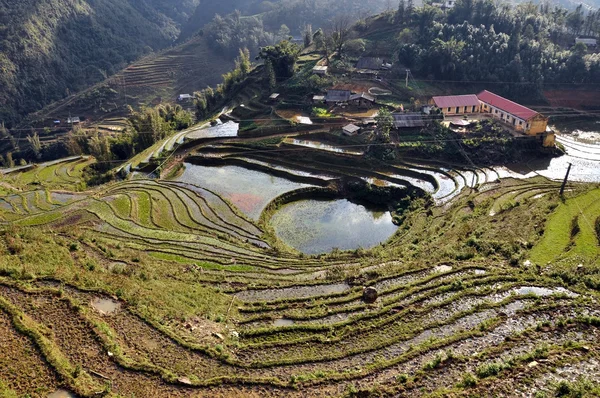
<point>519,116</point>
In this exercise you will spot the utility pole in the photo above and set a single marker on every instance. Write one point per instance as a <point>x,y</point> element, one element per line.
<point>562,187</point>
<point>407,73</point>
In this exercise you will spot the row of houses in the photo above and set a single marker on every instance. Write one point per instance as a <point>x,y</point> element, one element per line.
<point>518,116</point>
<point>401,120</point>
<point>360,100</point>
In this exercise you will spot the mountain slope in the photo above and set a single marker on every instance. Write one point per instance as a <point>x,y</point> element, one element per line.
<point>53,47</point>
<point>156,78</point>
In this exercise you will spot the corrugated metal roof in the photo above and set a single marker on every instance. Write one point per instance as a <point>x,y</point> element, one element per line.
<point>408,120</point>
<point>506,105</point>
<point>362,95</point>
<point>351,128</point>
<point>452,101</point>
<point>337,95</point>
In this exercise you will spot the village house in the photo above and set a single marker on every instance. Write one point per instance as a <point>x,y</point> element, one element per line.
<point>446,4</point>
<point>518,116</point>
<point>320,70</point>
<point>73,120</point>
<point>589,41</point>
<point>273,98</point>
<point>362,100</point>
<point>318,99</point>
<point>451,105</point>
<point>350,130</point>
<point>184,97</point>
<point>408,120</point>
<point>337,96</point>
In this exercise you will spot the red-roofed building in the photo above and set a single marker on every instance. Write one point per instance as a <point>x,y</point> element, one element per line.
<point>518,116</point>
<point>457,104</point>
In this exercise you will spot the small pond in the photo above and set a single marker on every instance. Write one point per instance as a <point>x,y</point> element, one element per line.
<point>249,190</point>
<point>319,226</point>
<point>105,306</point>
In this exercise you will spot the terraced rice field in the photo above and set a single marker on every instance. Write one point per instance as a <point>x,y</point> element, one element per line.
<point>168,288</point>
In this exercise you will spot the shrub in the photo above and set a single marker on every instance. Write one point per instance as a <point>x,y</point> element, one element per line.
<point>488,370</point>
<point>469,380</point>
<point>575,226</point>
<point>434,363</point>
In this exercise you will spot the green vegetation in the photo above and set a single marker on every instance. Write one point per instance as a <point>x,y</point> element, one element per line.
<point>570,231</point>
<point>171,281</point>
<point>482,41</point>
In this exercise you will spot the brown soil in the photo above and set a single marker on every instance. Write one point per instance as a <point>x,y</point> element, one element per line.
<point>578,99</point>
<point>359,86</point>
<point>22,366</point>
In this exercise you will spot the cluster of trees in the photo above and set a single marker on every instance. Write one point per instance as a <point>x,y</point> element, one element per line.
<point>478,40</point>
<point>279,63</point>
<point>229,33</point>
<point>148,126</point>
<point>208,99</point>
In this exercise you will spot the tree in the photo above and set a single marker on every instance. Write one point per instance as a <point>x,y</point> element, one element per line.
<point>385,122</point>
<point>9,160</point>
<point>282,56</point>
<point>35,145</point>
<point>6,135</point>
<point>341,32</point>
<point>575,20</point>
<point>356,47</point>
<point>243,62</point>
<point>201,106</point>
<point>324,43</point>
<point>270,74</point>
<point>307,34</point>
<point>401,13</point>
<point>410,9</point>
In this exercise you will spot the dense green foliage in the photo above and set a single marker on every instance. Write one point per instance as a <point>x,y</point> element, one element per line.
<point>148,126</point>
<point>270,15</point>
<point>228,34</point>
<point>282,57</point>
<point>482,41</point>
<point>208,100</point>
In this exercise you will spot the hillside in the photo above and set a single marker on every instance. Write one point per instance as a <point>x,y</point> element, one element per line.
<point>51,48</point>
<point>152,80</point>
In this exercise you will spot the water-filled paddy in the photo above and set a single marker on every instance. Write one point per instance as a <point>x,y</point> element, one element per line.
<point>249,190</point>
<point>324,147</point>
<point>317,226</point>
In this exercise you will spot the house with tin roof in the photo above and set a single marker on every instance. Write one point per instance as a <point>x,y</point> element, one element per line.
<point>334,96</point>
<point>362,100</point>
<point>408,120</point>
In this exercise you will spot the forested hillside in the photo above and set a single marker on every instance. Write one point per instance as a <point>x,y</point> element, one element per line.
<point>54,47</point>
<point>520,48</point>
<point>293,13</point>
